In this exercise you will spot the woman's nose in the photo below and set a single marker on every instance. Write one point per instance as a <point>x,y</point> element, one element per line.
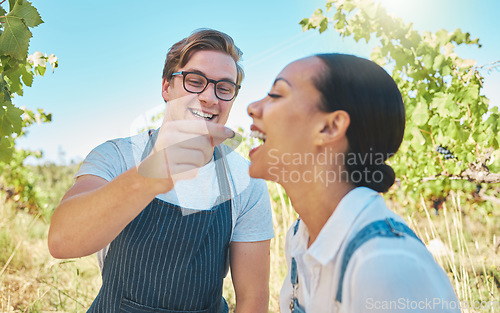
<point>254,109</point>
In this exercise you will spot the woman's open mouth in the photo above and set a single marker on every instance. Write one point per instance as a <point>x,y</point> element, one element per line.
<point>261,139</point>
<point>258,134</point>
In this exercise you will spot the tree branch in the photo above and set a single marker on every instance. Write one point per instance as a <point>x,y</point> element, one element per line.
<point>480,176</point>
<point>470,175</point>
<point>477,172</point>
<point>424,131</point>
<point>489,67</point>
<point>486,197</point>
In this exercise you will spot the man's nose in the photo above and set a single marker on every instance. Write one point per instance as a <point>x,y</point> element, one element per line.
<point>208,95</point>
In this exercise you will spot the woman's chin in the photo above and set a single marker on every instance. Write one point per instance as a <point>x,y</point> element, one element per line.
<point>252,171</point>
<point>257,171</point>
<point>262,173</point>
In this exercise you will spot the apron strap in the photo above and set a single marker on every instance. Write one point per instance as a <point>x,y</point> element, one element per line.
<point>222,176</point>
<point>153,135</point>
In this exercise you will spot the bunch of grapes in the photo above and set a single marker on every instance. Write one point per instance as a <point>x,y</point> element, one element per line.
<point>445,152</point>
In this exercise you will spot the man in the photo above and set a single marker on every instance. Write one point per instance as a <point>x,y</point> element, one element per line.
<point>165,210</point>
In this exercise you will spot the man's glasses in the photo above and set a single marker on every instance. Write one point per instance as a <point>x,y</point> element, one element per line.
<point>197,83</point>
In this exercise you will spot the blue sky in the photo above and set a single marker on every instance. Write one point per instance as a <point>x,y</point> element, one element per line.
<point>111,56</point>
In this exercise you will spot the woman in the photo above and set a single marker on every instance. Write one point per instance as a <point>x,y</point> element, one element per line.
<point>329,124</point>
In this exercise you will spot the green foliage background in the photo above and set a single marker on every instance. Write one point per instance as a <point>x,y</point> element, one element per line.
<point>442,96</point>
<point>17,70</point>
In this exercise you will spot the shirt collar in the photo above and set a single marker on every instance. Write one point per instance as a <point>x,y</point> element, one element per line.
<point>327,244</point>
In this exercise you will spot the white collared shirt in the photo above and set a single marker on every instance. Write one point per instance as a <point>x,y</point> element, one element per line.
<point>383,275</point>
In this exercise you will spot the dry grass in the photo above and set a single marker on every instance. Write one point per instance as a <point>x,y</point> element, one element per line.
<point>32,281</point>
<point>467,252</point>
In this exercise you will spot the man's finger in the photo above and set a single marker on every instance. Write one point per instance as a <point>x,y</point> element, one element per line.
<point>194,157</point>
<point>198,127</point>
<point>233,142</point>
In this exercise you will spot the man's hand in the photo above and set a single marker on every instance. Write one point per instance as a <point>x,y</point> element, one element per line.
<point>182,147</point>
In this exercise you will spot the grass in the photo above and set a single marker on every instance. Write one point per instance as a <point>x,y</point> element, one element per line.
<point>467,253</point>
<point>32,281</point>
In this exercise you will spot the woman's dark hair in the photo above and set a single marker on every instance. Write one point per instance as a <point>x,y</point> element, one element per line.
<point>372,99</point>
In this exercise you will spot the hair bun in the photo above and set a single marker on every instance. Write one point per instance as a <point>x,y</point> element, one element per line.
<point>379,177</point>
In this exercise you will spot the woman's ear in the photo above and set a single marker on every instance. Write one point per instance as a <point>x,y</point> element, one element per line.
<point>165,90</point>
<point>335,126</point>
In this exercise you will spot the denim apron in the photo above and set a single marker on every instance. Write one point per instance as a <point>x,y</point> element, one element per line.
<point>170,259</point>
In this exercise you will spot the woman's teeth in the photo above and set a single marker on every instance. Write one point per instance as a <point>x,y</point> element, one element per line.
<point>201,114</point>
<point>258,134</point>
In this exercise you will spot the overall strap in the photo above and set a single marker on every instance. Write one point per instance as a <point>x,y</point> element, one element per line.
<point>388,228</point>
<point>296,226</point>
<point>295,307</point>
<point>293,271</point>
<point>294,278</point>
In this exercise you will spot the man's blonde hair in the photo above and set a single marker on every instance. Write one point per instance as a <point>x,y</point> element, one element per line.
<point>202,39</point>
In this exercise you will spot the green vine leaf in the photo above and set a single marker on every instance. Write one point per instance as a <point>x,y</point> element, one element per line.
<point>27,13</point>
<point>14,40</point>
<point>10,120</point>
<point>6,150</point>
<point>421,114</point>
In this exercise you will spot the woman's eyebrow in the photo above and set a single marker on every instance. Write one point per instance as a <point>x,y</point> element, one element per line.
<point>282,79</point>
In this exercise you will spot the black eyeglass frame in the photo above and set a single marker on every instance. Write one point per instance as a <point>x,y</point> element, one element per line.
<point>215,82</point>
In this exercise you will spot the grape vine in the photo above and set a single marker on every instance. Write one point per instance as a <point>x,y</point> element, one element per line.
<point>445,152</point>
<point>452,132</point>
<point>17,70</point>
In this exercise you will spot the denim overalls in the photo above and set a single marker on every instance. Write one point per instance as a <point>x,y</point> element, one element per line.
<point>381,228</point>
<point>169,259</point>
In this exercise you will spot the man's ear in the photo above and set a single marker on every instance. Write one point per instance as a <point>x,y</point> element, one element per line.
<point>165,89</point>
<point>335,126</point>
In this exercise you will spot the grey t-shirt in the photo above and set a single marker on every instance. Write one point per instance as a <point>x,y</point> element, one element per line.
<point>251,211</point>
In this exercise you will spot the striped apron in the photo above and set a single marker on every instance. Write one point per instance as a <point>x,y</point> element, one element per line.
<point>169,259</point>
